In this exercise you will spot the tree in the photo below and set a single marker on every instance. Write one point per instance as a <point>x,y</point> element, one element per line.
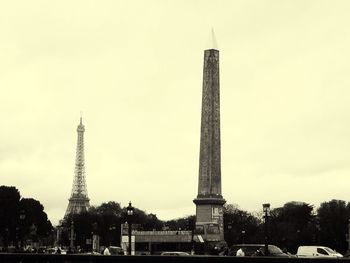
<point>21,218</point>
<point>83,228</point>
<point>9,213</point>
<point>292,225</point>
<point>34,222</point>
<point>332,223</point>
<point>105,220</point>
<point>111,207</point>
<point>145,221</point>
<point>109,221</point>
<point>183,223</point>
<point>240,226</point>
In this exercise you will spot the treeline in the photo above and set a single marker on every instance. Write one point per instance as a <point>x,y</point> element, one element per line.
<point>105,221</point>
<point>292,225</point>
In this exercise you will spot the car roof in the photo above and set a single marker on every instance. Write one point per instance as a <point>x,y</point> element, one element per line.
<point>251,245</point>
<point>311,247</point>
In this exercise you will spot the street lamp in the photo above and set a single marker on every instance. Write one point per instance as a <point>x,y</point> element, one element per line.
<point>130,212</point>
<point>191,224</point>
<point>58,235</point>
<point>243,233</point>
<point>347,235</point>
<point>110,234</point>
<point>266,210</point>
<point>229,233</point>
<point>22,217</point>
<point>72,237</point>
<point>6,239</point>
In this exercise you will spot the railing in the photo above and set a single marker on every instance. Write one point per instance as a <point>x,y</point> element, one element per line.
<point>85,258</point>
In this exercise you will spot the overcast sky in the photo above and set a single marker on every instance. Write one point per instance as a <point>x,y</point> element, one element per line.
<point>134,68</point>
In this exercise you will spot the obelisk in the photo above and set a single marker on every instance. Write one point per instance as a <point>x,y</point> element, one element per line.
<point>209,201</point>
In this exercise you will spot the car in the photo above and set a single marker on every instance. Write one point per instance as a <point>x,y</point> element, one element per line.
<point>257,250</point>
<point>174,253</point>
<point>93,253</point>
<point>56,250</point>
<point>116,250</point>
<point>317,251</point>
<point>41,250</point>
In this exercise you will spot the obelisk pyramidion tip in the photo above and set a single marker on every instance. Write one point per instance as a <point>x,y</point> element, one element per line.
<point>212,44</point>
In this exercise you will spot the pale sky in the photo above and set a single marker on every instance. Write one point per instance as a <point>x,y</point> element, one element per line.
<point>134,68</point>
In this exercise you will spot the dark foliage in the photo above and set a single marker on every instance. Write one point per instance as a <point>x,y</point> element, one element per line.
<point>105,220</point>
<point>292,225</point>
<point>333,224</point>
<point>21,220</point>
<point>185,223</point>
<point>240,226</point>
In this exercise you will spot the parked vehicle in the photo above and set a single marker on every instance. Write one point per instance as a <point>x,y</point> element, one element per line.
<point>56,250</point>
<point>257,250</point>
<point>116,250</point>
<point>41,249</point>
<point>317,251</point>
<point>174,253</point>
<point>93,253</point>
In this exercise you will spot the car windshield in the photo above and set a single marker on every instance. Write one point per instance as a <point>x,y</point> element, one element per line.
<point>274,250</point>
<point>331,251</point>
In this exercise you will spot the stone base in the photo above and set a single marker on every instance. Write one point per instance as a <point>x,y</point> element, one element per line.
<point>209,201</point>
<point>210,210</point>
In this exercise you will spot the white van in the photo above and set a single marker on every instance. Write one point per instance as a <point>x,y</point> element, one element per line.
<point>317,251</point>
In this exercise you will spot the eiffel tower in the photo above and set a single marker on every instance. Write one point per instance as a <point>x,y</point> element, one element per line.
<point>79,200</point>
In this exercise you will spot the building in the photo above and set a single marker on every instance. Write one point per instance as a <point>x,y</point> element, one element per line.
<point>154,242</point>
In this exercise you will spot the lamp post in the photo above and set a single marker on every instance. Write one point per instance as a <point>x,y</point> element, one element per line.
<point>95,246</point>
<point>72,237</point>
<point>22,217</point>
<point>111,229</point>
<point>6,239</point>
<point>229,231</point>
<point>266,210</point>
<point>130,212</point>
<point>191,223</point>
<point>243,233</point>
<point>58,235</point>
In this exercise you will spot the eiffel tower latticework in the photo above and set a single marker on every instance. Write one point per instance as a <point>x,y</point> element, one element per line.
<point>79,200</point>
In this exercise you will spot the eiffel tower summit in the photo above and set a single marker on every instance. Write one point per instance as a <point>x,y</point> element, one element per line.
<point>209,201</point>
<point>79,200</point>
